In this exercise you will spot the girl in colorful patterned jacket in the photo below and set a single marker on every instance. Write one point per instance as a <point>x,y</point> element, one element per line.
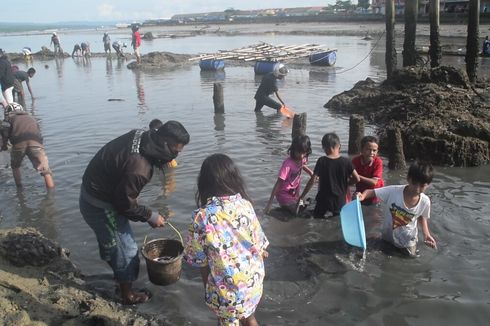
<point>227,243</point>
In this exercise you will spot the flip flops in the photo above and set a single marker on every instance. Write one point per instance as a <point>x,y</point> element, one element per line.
<point>138,296</point>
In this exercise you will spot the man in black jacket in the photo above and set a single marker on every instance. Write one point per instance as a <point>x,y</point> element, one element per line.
<point>108,198</point>
<point>6,80</point>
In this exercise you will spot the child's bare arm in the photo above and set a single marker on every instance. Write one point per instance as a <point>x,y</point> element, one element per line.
<point>369,181</point>
<point>308,186</point>
<point>271,198</point>
<point>428,238</point>
<point>354,177</point>
<point>308,170</point>
<point>366,194</point>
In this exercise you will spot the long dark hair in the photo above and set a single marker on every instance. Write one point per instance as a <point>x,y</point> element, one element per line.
<point>219,176</point>
<point>301,144</point>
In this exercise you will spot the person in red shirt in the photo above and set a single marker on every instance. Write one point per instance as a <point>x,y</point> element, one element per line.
<point>136,42</point>
<point>369,166</point>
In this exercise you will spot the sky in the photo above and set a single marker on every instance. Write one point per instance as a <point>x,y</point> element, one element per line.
<point>50,11</point>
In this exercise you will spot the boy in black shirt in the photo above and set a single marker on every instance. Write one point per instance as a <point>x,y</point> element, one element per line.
<point>334,173</point>
<point>267,86</point>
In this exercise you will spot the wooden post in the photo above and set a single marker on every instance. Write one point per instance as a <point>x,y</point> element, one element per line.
<point>356,132</point>
<point>299,125</point>
<point>396,156</point>
<point>390,56</point>
<point>409,53</point>
<point>219,105</point>
<point>435,43</point>
<point>472,45</point>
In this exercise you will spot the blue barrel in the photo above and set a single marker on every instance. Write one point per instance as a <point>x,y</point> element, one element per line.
<point>323,58</point>
<point>212,64</point>
<point>264,67</point>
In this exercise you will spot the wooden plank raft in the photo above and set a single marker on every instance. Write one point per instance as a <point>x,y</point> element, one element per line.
<point>265,51</point>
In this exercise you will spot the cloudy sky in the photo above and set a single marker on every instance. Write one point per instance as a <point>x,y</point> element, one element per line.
<point>46,11</point>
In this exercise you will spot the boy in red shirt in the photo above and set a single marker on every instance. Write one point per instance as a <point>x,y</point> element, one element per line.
<point>369,167</point>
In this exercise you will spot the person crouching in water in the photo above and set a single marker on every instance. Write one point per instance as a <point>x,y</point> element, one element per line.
<point>109,194</point>
<point>286,189</point>
<point>268,86</point>
<point>405,208</point>
<point>25,136</point>
<point>227,243</point>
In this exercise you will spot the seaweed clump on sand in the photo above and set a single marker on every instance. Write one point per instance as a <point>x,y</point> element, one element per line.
<point>39,285</point>
<point>160,60</point>
<point>442,117</point>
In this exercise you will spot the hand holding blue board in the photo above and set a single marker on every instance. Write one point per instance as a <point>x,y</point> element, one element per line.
<point>352,223</point>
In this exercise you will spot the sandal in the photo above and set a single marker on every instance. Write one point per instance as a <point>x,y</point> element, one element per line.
<point>137,297</point>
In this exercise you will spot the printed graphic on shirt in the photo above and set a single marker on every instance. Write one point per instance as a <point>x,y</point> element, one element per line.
<point>400,216</point>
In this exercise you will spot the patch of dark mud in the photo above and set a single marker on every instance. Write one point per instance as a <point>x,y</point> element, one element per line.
<point>442,117</point>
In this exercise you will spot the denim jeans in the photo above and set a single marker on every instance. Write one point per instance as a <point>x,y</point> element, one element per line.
<point>116,242</point>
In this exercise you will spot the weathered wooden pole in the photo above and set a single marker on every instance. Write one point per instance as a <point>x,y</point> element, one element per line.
<point>396,157</point>
<point>299,125</point>
<point>390,56</point>
<point>472,39</point>
<point>435,43</point>
<point>356,132</point>
<point>219,105</point>
<point>409,52</point>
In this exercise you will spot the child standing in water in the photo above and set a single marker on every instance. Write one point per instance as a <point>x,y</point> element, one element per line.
<point>405,207</point>
<point>286,188</point>
<point>334,173</point>
<point>369,166</point>
<point>227,242</point>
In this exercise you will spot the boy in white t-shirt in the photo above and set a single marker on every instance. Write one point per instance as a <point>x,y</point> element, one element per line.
<point>405,207</point>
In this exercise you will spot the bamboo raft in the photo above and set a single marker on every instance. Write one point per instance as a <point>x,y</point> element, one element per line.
<point>265,51</point>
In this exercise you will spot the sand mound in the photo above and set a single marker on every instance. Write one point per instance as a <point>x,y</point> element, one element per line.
<point>441,117</point>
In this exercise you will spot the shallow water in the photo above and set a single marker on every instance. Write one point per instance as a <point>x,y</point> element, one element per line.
<point>313,277</point>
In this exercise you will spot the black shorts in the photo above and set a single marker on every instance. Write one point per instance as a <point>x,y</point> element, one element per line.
<point>329,203</point>
<point>267,101</point>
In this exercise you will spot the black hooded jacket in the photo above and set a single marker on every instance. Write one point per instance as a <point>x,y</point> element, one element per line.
<point>119,171</point>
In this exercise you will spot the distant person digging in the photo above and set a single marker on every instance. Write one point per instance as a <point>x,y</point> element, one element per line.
<point>268,86</point>
<point>23,132</point>
<point>85,49</point>
<point>55,41</point>
<point>118,47</point>
<point>23,76</point>
<point>106,39</point>
<point>77,51</point>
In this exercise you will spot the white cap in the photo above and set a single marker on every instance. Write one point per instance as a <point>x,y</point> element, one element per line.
<point>280,70</point>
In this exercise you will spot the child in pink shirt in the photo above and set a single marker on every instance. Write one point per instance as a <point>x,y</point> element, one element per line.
<point>286,189</point>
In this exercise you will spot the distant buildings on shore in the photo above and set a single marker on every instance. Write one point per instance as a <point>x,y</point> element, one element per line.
<point>342,10</point>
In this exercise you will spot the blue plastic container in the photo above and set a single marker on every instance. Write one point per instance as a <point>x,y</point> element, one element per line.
<point>323,58</point>
<point>352,223</point>
<point>212,64</point>
<point>264,67</point>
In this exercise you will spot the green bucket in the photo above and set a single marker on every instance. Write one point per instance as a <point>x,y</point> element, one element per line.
<point>163,260</point>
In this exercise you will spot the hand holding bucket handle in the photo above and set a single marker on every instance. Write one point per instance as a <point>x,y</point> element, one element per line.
<point>157,222</point>
<point>287,112</point>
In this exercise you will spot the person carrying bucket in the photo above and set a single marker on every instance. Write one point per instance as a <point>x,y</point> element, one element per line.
<point>268,86</point>
<point>108,197</point>
<point>227,243</point>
